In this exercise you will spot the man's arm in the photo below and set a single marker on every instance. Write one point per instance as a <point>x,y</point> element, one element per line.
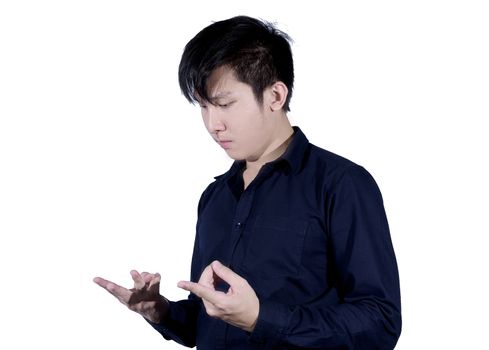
<point>362,311</point>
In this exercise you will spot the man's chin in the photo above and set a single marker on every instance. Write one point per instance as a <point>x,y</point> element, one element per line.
<point>235,155</point>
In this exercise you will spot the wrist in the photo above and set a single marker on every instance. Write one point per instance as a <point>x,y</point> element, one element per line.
<point>159,310</point>
<point>253,317</point>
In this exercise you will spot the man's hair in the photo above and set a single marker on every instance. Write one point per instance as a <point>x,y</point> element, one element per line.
<point>257,52</point>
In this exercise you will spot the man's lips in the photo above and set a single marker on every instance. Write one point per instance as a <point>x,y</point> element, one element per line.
<point>224,143</point>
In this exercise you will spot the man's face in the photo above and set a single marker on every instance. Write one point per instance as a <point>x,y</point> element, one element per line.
<point>233,117</point>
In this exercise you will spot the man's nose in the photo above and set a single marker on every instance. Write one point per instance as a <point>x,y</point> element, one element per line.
<point>214,120</point>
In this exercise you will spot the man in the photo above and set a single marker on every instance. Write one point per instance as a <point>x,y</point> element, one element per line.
<point>292,248</point>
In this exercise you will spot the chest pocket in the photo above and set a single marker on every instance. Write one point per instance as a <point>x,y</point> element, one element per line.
<point>274,247</point>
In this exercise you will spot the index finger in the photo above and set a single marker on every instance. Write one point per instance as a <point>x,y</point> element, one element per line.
<point>201,291</point>
<point>123,294</point>
<point>225,273</point>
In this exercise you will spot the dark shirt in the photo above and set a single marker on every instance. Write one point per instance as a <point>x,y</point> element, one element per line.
<point>310,236</point>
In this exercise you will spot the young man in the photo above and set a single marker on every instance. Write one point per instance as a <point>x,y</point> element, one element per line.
<point>292,248</point>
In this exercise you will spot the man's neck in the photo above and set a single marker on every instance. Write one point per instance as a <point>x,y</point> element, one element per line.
<point>278,148</point>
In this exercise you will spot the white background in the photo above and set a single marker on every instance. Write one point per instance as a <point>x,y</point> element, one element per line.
<point>102,161</point>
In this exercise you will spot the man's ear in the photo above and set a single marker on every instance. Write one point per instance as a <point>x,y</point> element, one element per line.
<point>276,96</point>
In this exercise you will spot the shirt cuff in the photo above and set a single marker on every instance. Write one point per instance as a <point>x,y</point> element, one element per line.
<point>167,327</point>
<point>161,327</point>
<point>271,322</point>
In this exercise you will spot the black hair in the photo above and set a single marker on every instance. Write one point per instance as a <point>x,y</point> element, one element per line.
<point>257,52</point>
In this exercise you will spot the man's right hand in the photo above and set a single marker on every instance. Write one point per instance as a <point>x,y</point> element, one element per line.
<point>144,298</point>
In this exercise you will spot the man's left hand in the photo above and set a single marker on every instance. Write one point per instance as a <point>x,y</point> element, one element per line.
<point>239,306</point>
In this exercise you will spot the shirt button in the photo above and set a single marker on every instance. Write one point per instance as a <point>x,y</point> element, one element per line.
<point>238,225</point>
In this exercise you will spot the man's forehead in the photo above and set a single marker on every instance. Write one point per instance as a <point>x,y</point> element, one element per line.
<point>220,83</point>
<point>217,95</point>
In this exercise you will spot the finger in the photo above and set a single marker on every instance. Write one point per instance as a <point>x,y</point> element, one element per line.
<point>147,277</point>
<point>154,283</point>
<point>101,281</point>
<point>207,278</point>
<point>138,280</point>
<point>119,292</point>
<point>201,291</point>
<point>226,274</point>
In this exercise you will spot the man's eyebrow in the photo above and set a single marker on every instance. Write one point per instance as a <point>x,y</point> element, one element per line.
<point>221,94</point>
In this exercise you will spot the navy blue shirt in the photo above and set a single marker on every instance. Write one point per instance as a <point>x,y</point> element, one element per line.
<point>310,236</point>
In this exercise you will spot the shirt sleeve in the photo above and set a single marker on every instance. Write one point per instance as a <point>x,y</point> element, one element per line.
<point>362,310</point>
<point>180,323</point>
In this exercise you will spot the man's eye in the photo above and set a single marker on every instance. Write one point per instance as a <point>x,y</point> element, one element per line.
<point>203,106</point>
<point>224,105</point>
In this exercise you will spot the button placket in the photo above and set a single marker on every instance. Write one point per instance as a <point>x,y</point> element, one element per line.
<point>242,211</point>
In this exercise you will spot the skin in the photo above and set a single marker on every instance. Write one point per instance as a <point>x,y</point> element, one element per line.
<point>144,298</point>
<point>239,306</point>
<point>247,130</point>
<point>252,132</point>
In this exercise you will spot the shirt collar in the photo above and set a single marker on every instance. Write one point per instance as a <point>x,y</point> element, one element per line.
<point>293,155</point>
<point>295,152</point>
<point>237,166</point>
